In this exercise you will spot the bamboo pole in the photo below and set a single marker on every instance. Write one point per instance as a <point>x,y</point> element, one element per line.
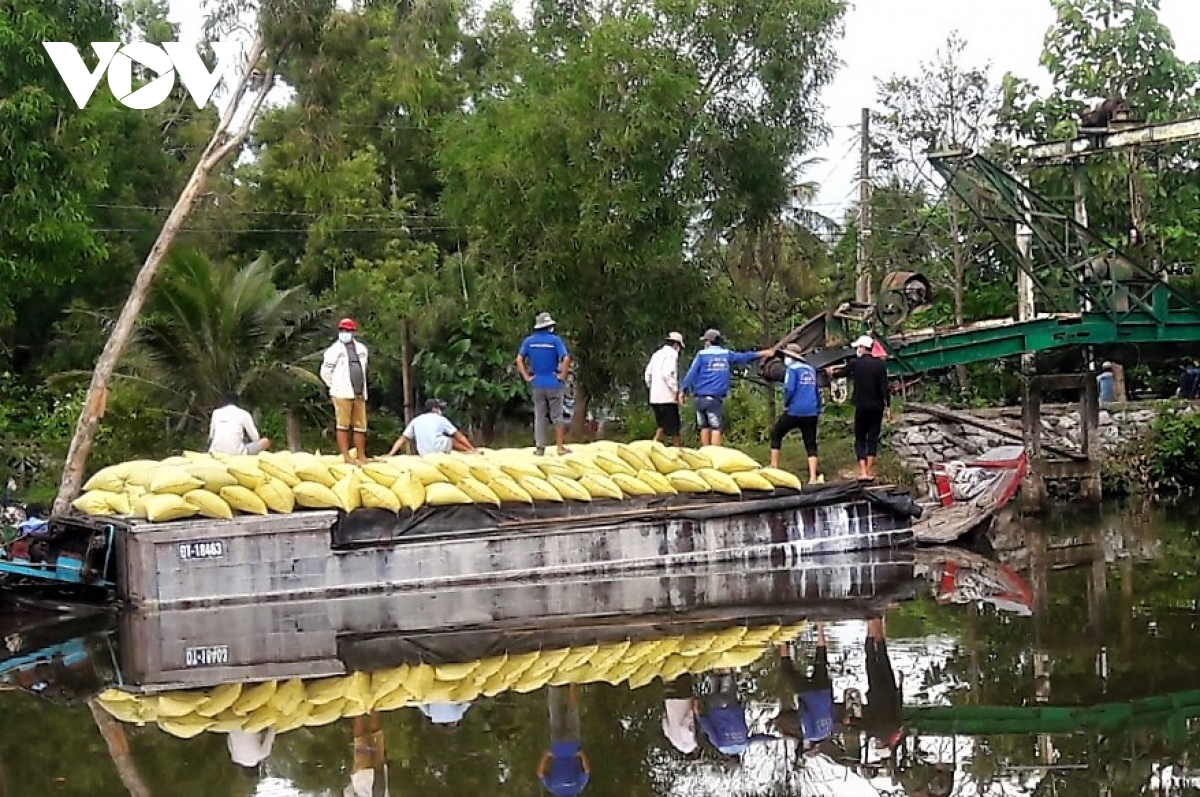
<point>231,132</point>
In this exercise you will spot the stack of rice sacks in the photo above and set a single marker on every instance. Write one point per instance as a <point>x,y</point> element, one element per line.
<point>287,705</point>
<point>220,486</point>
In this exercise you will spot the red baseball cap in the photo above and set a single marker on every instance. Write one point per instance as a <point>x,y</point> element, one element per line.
<point>348,323</point>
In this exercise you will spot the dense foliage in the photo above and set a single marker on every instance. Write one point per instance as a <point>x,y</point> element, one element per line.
<point>442,171</point>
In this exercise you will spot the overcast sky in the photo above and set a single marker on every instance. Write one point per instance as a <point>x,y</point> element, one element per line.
<point>886,37</point>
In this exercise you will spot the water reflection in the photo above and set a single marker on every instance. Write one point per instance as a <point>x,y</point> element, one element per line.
<point>1063,665</point>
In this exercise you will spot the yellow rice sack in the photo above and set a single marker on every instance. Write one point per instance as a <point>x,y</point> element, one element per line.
<point>139,471</point>
<point>667,460</point>
<point>173,479</point>
<point>632,485</point>
<point>517,467</point>
<point>315,496</point>
<point>175,460</point>
<point>341,470</point>
<point>752,480</point>
<point>633,458</point>
<point>601,486</point>
<point>276,495</point>
<point>208,504</point>
<point>245,469</point>
<point>454,469</point>
<point>137,504</point>
<point>539,488</point>
<point>243,499</point>
<point>162,507</point>
<point>611,463</point>
<point>381,473</point>
<point>719,482</point>
<point>347,491</point>
<point>478,492</point>
<point>426,472</point>
<point>661,484</point>
<point>482,470</point>
<point>509,491</point>
<point>553,467</point>
<point>445,494</point>
<point>781,478</point>
<point>276,468</point>
<point>686,481</point>
<point>728,460</point>
<point>120,505</point>
<point>694,459</point>
<point>213,474</point>
<point>96,502</point>
<point>569,488</point>
<point>314,471</point>
<point>409,490</point>
<point>376,496</point>
<point>110,479</point>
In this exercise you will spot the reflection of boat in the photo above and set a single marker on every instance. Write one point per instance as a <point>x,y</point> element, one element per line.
<point>960,576</point>
<point>970,496</point>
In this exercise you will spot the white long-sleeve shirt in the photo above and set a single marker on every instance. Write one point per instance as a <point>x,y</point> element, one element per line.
<point>662,377</point>
<point>335,370</point>
<point>231,428</point>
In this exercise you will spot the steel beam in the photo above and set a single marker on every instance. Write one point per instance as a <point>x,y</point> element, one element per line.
<point>1062,152</point>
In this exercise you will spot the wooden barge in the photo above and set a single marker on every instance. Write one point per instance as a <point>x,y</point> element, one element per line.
<point>330,553</point>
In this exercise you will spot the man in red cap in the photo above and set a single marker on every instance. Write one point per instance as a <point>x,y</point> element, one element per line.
<point>344,372</point>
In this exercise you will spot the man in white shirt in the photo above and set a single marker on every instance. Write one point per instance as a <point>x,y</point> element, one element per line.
<point>432,433</point>
<point>232,430</point>
<point>344,372</point>
<point>662,378</point>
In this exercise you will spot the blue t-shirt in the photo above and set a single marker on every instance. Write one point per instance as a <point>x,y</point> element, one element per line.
<point>801,396</point>
<point>1105,386</point>
<point>709,373</point>
<point>816,714</point>
<point>564,774</point>
<point>431,433</point>
<point>545,351</point>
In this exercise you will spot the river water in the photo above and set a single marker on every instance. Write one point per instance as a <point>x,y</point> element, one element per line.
<point>1062,663</point>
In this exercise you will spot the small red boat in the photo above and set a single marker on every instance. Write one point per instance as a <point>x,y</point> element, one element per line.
<point>968,496</point>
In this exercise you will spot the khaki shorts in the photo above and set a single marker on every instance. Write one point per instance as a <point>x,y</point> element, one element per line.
<point>350,414</point>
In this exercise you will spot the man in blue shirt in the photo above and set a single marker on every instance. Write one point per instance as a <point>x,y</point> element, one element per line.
<point>1106,384</point>
<point>564,769</point>
<point>543,361</point>
<point>708,379</point>
<point>801,410</point>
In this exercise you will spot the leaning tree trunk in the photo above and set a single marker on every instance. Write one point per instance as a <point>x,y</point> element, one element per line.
<point>227,138</point>
<point>959,256</point>
<point>118,750</point>
<point>292,418</point>
<point>579,427</point>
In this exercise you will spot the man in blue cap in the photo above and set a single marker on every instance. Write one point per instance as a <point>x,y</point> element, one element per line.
<point>709,379</point>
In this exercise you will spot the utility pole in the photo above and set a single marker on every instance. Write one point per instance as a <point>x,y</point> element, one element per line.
<point>862,283</point>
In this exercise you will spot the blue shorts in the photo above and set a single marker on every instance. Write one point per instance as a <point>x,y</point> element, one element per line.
<point>710,412</point>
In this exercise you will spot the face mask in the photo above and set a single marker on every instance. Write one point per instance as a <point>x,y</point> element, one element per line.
<point>345,337</point>
<point>789,361</point>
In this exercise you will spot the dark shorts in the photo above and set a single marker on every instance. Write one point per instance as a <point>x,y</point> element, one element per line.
<point>787,423</point>
<point>710,413</point>
<point>666,417</point>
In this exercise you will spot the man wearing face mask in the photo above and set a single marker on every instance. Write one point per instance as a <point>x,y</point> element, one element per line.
<point>801,410</point>
<point>344,372</point>
<point>868,374</point>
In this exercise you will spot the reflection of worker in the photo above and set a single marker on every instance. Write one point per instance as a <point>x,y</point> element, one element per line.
<point>250,750</point>
<point>810,718</point>
<point>882,715</point>
<point>564,769</point>
<point>721,715</point>
<point>446,715</point>
<point>432,433</point>
<point>368,773</point>
<point>679,715</point>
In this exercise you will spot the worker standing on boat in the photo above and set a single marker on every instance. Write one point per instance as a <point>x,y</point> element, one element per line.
<point>344,372</point>
<point>801,410</point>
<point>564,769</point>
<point>432,433</point>
<point>662,378</point>
<point>868,375</point>
<point>543,362</point>
<point>708,379</point>
<point>232,431</point>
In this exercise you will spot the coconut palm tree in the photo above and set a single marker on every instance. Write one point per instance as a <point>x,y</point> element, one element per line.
<point>215,328</point>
